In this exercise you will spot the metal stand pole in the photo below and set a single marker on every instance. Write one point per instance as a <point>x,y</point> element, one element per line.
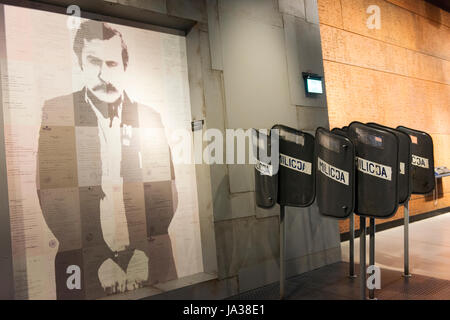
<point>362,258</point>
<point>282,251</point>
<point>435,191</point>
<point>406,241</point>
<point>372,253</point>
<point>352,246</point>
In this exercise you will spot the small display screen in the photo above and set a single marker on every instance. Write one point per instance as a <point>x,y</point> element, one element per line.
<point>314,85</point>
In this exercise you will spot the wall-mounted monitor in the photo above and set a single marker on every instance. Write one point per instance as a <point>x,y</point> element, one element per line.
<point>313,84</point>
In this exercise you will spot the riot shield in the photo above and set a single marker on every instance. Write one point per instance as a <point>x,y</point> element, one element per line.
<point>335,174</point>
<point>341,132</point>
<point>296,179</point>
<point>266,173</point>
<point>404,157</point>
<point>422,161</point>
<point>377,170</point>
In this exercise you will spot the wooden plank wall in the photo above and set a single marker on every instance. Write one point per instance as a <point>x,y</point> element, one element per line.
<point>397,75</point>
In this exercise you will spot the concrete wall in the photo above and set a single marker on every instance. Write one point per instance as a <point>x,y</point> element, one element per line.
<point>261,47</point>
<point>6,261</point>
<point>397,75</point>
<point>245,61</point>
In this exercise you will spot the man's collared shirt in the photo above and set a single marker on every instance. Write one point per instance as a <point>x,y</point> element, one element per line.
<point>112,210</point>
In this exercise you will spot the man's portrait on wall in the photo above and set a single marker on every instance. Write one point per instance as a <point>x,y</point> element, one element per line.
<point>110,221</point>
<point>93,135</point>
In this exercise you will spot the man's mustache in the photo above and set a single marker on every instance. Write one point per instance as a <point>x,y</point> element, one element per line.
<point>107,87</point>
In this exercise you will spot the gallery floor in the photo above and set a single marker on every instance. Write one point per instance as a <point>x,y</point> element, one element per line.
<point>429,264</point>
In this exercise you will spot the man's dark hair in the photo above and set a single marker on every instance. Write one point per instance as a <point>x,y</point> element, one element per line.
<point>85,32</point>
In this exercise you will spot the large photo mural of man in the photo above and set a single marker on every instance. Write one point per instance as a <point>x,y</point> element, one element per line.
<point>115,187</point>
<point>117,209</point>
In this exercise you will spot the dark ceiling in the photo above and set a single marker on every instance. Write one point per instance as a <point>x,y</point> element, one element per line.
<point>443,4</point>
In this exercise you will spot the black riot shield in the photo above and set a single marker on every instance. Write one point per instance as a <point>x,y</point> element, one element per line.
<point>341,132</point>
<point>296,179</point>
<point>422,161</point>
<point>377,168</point>
<point>335,174</point>
<point>404,158</point>
<point>266,172</point>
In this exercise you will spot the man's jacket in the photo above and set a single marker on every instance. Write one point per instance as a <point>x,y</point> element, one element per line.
<point>69,183</point>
